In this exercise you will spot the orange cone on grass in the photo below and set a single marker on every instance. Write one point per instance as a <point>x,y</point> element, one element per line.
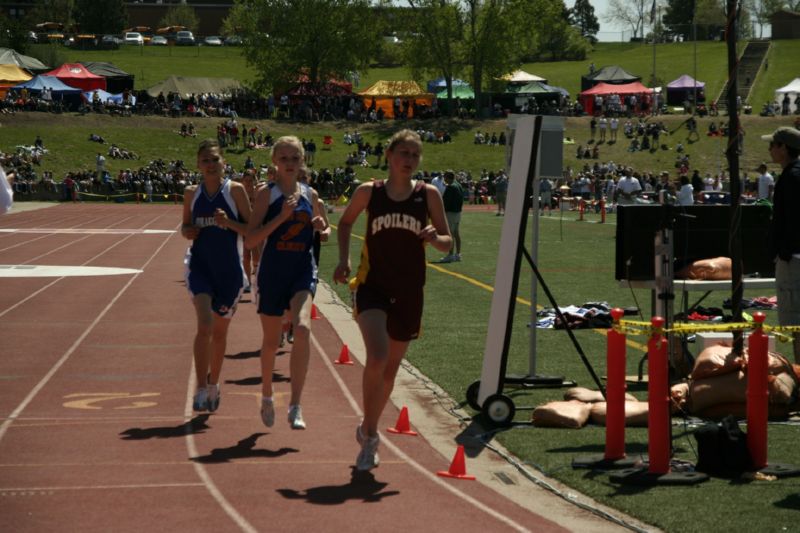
<point>402,426</point>
<point>458,468</point>
<point>344,356</point>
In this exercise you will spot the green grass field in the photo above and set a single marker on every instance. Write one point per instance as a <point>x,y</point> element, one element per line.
<point>576,259</point>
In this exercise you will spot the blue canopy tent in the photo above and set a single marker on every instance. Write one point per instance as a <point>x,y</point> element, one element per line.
<point>70,96</point>
<point>437,85</point>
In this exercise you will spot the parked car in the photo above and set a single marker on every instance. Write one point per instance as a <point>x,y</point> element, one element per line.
<point>134,37</point>
<point>110,42</point>
<point>184,38</point>
<point>212,40</point>
<point>233,40</point>
<point>159,40</point>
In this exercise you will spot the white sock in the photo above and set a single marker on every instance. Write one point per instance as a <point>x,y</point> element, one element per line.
<point>266,399</point>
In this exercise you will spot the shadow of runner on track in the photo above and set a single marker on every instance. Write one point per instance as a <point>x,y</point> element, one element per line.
<point>244,355</point>
<point>256,380</point>
<point>194,426</point>
<point>362,486</point>
<point>244,449</point>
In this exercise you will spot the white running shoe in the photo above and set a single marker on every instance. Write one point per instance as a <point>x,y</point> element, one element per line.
<point>296,417</point>
<point>213,396</point>
<point>446,259</point>
<point>368,456</point>
<point>268,413</point>
<point>200,402</point>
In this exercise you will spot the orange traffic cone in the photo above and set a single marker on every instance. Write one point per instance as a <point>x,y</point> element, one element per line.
<point>344,356</point>
<point>402,427</point>
<point>458,468</point>
<point>314,313</point>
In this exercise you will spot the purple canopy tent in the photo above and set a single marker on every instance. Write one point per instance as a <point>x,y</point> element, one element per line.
<point>683,88</point>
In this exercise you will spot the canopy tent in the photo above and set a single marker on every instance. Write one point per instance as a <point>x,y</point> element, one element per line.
<point>520,76</point>
<point>76,75</point>
<point>435,86</point>
<point>105,96</point>
<point>464,92</point>
<point>684,88</point>
<point>614,75</point>
<point>185,86</point>
<point>9,56</point>
<point>385,92</point>
<point>560,90</point>
<point>603,89</point>
<point>37,83</point>
<point>530,88</point>
<point>793,92</point>
<point>11,75</point>
<point>117,80</point>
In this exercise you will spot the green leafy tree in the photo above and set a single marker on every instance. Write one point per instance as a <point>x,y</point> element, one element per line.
<point>582,17</point>
<point>52,11</point>
<point>13,34</point>
<point>322,39</point>
<point>678,17</point>
<point>181,15</point>
<point>437,48</point>
<point>101,16</point>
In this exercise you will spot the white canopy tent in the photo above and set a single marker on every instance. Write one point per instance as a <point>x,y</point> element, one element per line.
<point>792,91</point>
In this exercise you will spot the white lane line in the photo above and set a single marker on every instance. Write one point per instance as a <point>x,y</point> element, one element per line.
<point>104,487</point>
<point>397,451</point>
<point>63,359</point>
<point>200,470</point>
<point>87,231</point>
<point>58,271</point>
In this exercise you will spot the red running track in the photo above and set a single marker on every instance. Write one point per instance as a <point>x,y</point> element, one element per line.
<point>97,431</point>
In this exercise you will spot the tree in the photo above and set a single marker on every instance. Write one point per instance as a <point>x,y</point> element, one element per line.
<point>678,17</point>
<point>583,18</point>
<point>762,10</point>
<point>101,16</point>
<point>437,47</point>
<point>629,12</point>
<point>181,15</point>
<point>13,34</point>
<point>53,11</point>
<point>321,39</point>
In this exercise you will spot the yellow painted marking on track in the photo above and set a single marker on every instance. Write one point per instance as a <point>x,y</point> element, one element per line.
<point>89,399</point>
<point>489,288</point>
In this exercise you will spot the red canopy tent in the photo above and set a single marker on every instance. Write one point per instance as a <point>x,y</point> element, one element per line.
<point>603,89</point>
<point>76,75</point>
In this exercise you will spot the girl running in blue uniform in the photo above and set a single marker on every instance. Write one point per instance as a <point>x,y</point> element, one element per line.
<point>403,215</point>
<point>215,215</point>
<point>285,215</point>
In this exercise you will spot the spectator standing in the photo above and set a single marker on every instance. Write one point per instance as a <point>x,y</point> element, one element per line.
<point>686,192</point>
<point>453,199</point>
<point>784,148</point>
<point>100,164</point>
<point>628,189</point>
<point>438,182</point>
<point>545,196</point>
<point>390,281</point>
<point>602,124</point>
<point>614,128</point>
<point>6,191</point>
<point>215,213</point>
<point>500,192</point>
<point>766,183</point>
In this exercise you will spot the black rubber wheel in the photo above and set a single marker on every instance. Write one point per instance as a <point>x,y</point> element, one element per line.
<point>499,409</point>
<point>472,395</point>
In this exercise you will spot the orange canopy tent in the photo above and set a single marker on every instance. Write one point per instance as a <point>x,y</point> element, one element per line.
<point>385,92</point>
<point>11,75</point>
<point>78,76</point>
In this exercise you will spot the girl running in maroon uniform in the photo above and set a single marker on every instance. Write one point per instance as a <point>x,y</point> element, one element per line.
<point>391,275</point>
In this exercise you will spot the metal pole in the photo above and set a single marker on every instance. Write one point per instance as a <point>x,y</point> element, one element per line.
<point>732,154</point>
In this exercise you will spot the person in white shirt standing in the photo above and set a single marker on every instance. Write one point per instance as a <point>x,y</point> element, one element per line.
<point>6,193</point>
<point>766,183</point>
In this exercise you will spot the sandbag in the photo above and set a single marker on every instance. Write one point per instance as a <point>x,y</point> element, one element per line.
<point>716,360</point>
<point>572,414</point>
<point>725,388</point>
<point>582,394</point>
<point>635,414</point>
<point>717,268</point>
<point>720,359</point>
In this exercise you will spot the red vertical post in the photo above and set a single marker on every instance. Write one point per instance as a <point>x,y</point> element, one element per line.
<point>615,391</point>
<point>757,394</point>
<point>602,210</point>
<point>581,208</point>
<point>658,430</point>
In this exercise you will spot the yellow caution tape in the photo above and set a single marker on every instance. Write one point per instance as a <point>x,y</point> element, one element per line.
<point>634,327</point>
